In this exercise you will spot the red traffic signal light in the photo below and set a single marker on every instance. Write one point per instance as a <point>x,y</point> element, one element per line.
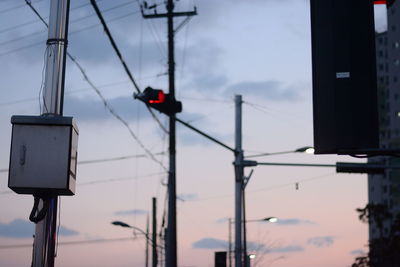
<point>159,100</point>
<point>381,2</point>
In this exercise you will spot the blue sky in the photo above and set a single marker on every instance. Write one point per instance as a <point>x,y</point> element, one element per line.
<point>260,49</point>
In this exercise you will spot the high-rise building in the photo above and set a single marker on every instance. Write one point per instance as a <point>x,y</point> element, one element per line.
<point>385,189</point>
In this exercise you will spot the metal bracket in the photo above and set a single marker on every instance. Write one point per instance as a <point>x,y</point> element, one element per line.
<point>246,179</point>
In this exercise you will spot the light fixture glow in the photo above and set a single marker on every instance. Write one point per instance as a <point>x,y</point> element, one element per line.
<point>273,219</point>
<point>310,150</point>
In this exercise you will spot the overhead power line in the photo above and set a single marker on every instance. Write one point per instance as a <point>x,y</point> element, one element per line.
<point>104,181</point>
<point>70,33</point>
<point>78,242</point>
<point>105,102</point>
<point>71,22</point>
<point>117,51</point>
<point>116,158</point>
<point>114,45</point>
<point>16,7</point>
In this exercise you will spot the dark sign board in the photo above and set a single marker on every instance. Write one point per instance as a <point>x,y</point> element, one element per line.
<point>344,76</point>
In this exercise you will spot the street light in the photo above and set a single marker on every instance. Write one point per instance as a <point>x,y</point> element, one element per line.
<point>305,149</point>
<point>267,219</point>
<point>249,258</point>
<point>230,222</point>
<point>146,234</point>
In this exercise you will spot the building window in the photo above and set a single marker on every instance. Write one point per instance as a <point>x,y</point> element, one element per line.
<point>395,79</point>
<point>393,28</point>
<point>396,62</point>
<point>396,44</point>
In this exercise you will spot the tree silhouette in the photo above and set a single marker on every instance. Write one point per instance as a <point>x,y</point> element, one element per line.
<point>383,250</point>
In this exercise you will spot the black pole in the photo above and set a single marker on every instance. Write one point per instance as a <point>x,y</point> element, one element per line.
<point>244,229</point>
<point>171,236</point>
<point>154,234</point>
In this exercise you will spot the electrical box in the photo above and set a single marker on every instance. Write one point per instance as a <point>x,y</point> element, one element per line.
<point>344,76</point>
<point>43,155</point>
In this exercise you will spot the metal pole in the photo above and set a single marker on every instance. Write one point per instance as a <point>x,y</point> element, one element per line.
<point>146,264</point>
<point>172,254</point>
<point>154,234</point>
<point>244,228</point>
<point>230,242</point>
<point>238,181</point>
<point>53,94</point>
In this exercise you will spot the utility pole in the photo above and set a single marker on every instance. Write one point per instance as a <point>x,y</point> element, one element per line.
<point>45,230</point>
<point>53,97</point>
<point>230,242</point>
<point>147,242</point>
<point>239,182</point>
<point>171,250</point>
<point>154,234</point>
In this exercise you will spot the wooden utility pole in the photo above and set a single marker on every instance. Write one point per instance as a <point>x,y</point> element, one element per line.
<point>171,244</point>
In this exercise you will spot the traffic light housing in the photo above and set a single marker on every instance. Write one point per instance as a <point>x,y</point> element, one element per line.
<point>160,101</point>
<point>387,2</point>
<point>344,76</point>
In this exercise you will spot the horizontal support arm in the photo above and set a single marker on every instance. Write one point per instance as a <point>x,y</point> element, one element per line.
<point>204,134</point>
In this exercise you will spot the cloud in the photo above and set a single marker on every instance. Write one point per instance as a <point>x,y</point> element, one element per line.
<point>187,197</point>
<point>19,228</point>
<point>357,252</point>
<point>271,90</point>
<point>293,221</point>
<point>213,243</point>
<point>92,109</point>
<point>287,249</point>
<point>210,243</point>
<point>321,241</point>
<point>131,212</point>
<point>222,220</point>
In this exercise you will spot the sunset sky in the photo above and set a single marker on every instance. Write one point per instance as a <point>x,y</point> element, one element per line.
<point>260,49</point>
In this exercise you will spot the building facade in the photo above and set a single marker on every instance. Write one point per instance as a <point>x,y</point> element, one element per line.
<point>385,189</point>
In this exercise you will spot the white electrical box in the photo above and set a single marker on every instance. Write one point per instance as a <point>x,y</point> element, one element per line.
<point>43,155</point>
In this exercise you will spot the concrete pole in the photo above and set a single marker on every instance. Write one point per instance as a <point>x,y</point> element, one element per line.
<point>45,232</point>
<point>238,181</point>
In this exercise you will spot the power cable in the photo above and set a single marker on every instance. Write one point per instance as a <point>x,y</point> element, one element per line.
<point>68,92</point>
<point>104,181</point>
<point>16,7</point>
<point>71,22</point>
<point>78,242</point>
<point>70,33</point>
<point>117,51</point>
<point>105,102</point>
<point>268,188</point>
<point>35,21</point>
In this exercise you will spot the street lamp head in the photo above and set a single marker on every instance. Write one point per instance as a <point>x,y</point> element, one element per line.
<point>306,149</point>
<point>252,256</point>
<point>122,224</point>
<point>270,219</point>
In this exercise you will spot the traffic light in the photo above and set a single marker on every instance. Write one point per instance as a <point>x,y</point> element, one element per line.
<point>159,100</point>
<point>345,102</point>
<point>381,2</point>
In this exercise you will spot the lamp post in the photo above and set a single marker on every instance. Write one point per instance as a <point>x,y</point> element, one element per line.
<point>230,222</point>
<point>146,234</point>
<point>304,149</point>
